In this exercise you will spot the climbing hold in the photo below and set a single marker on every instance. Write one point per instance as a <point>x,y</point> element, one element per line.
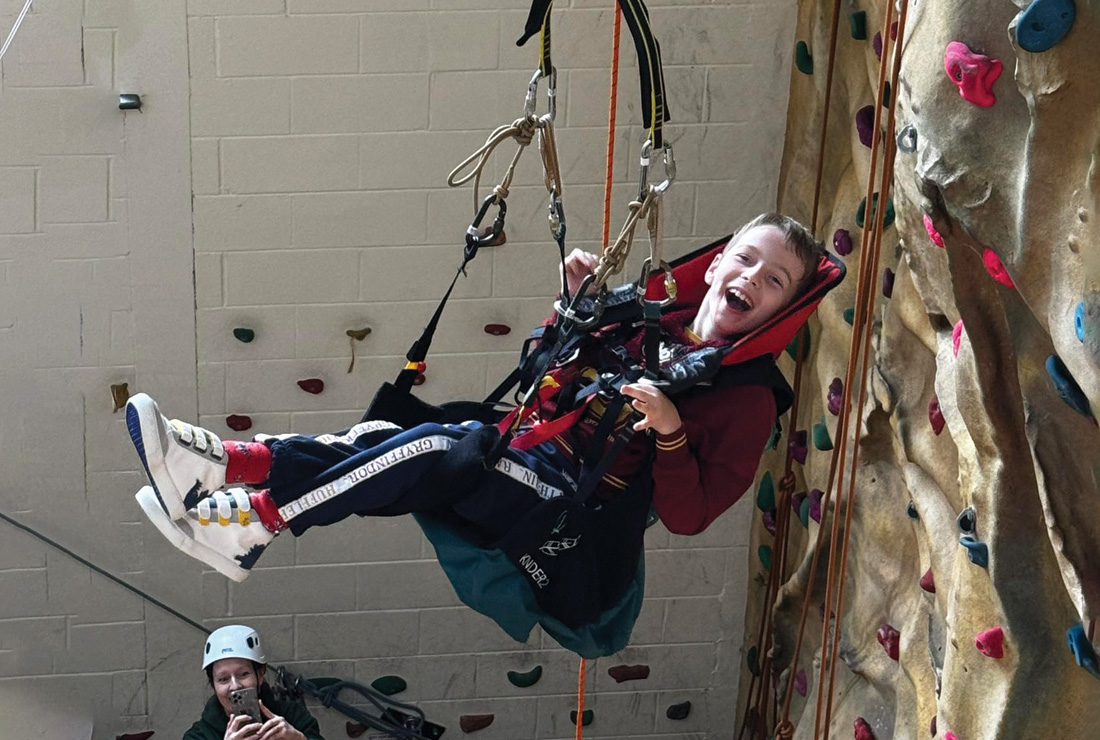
<point>136,735</point>
<point>876,42</point>
<point>888,218</point>
<point>652,518</point>
<point>238,422</point>
<point>312,385</point>
<point>822,441</point>
<point>850,316</point>
<point>932,726</point>
<point>889,638</point>
<point>967,520</point>
<point>949,736</point>
<point>752,655</point>
<point>977,551</point>
<point>774,439</point>
<point>244,335</point>
<point>120,394</point>
<point>863,730</point>
<point>628,672</point>
<point>842,242</point>
<point>420,379</point>
<point>996,268</point>
<point>865,124</point>
<point>1044,24</point>
<point>800,682</point>
<point>796,501</point>
<point>354,729</point>
<point>498,330</point>
<point>887,282</point>
<point>765,494</point>
<point>798,446</point>
<point>1067,387</point>
<point>907,140</point>
<point>1079,321</point>
<point>886,93</point>
<point>857,20</point>
<point>935,415</point>
<point>991,643</point>
<point>911,511</point>
<point>474,722</point>
<point>973,73</point>
<point>802,58</point>
<point>835,396</point>
<point>956,336</point>
<point>769,521</point>
<point>930,229</point>
<point>804,512</point>
<point>586,718</point>
<point>389,685</point>
<point>356,335</point>
<point>793,347</point>
<point>525,680</point>
<point>928,582</point>
<point>1083,651</point>
<point>815,504</point>
<point>894,31</point>
<point>679,711</point>
<point>765,555</point>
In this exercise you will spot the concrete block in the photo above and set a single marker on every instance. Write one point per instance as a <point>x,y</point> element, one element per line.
<point>588,98</point>
<point>358,219</point>
<point>559,672</point>
<point>201,48</point>
<point>240,107</point>
<point>722,207</point>
<point>234,222</point>
<point>100,648</point>
<point>698,619</point>
<point>215,595</point>
<point>273,326</point>
<point>235,7</point>
<point>17,194</point>
<point>321,331</point>
<point>109,494</point>
<point>450,36</point>
<point>650,627</point>
<point>205,166</point>
<point>407,585</point>
<point>333,105</point>
<point>416,159</point>
<point>323,422</point>
<point>430,677</point>
<point>272,385</point>
<point>628,715</point>
<point>282,164</point>
<point>50,50</point>
<point>684,573</point>
<point>581,40</point>
<point>86,699</point>
<point>73,189</point>
<point>514,719</point>
<point>20,551</point>
<point>672,666</point>
<point>356,540</point>
<point>211,381</point>
<point>87,596</point>
<point>468,100</point>
<point>29,647</point>
<point>318,589</point>
<point>99,58</point>
<point>356,635</point>
<point>438,628</point>
<point>260,46</point>
<point>307,276</point>
<point>128,694</point>
<point>24,593</point>
<point>385,275</point>
<point>353,6</point>
<point>731,529</point>
<point>266,423</point>
<point>208,280</point>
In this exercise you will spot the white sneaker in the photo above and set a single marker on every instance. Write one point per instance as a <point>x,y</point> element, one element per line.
<point>221,530</point>
<point>184,463</point>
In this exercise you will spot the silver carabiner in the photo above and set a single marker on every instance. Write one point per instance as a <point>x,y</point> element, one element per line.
<point>643,282</point>
<point>643,173</point>
<point>531,100</point>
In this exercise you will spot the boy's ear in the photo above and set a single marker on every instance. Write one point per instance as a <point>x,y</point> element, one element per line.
<point>708,276</point>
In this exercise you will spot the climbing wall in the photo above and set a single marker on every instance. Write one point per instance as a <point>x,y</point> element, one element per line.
<point>974,569</point>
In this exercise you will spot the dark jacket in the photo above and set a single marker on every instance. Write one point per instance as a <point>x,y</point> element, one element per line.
<point>212,724</point>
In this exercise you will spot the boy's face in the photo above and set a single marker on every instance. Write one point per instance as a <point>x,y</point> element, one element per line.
<point>752,281</point>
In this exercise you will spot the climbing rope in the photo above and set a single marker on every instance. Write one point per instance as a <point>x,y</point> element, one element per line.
<point>582,674</point>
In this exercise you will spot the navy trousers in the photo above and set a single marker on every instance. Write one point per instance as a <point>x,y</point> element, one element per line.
<point>376,468</point>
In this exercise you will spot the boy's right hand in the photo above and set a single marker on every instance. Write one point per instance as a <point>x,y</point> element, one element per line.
<point>579,265</point>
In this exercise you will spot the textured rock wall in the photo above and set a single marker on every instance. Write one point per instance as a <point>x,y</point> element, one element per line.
<point>1010,185</point>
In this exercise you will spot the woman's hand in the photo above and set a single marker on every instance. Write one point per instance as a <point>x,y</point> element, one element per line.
<point>241,727</point>
<point>660,413</point>
<point>277,728</point>
<point>579,265</point>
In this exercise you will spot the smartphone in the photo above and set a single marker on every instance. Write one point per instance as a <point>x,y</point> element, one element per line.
<point>246,701</point>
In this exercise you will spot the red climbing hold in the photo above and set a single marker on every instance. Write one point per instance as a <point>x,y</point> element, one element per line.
<point>863,730</point>
<point>996,268</point>
<point>956,336</point>
<point>935,415</point>
<point>991,643</point>
<point>238,422</point>
<point>889,638</point>
<point>354,729</point>
<point>930,229</point>
<point>928,582</point>
<point>497,330</point>
<point>628,672</point>
<point>973,73</point>
<point>312,385</point>
<point>420,379</point>
<point>473,722</point>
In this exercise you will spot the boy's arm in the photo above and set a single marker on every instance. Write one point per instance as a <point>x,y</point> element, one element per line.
<point>703,468</point>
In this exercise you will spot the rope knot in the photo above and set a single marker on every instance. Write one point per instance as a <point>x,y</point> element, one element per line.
<point>787,483</point>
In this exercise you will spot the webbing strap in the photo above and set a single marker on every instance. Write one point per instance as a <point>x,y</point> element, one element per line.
<point>538,21</point>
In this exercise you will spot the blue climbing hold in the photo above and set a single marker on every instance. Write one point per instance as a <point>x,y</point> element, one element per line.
<point>1083,651</point>
<point>1067,387</point>
<point>1044,24</point>
<point>977,551</point>
<point>802,58</point>
<point>1079,321</point>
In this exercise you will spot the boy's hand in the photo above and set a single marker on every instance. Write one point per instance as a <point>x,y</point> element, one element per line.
<point>660,413</point>
<point>579,265</point>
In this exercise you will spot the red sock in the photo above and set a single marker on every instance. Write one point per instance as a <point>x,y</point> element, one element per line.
<point>267,511</point>
<point>248,463</point>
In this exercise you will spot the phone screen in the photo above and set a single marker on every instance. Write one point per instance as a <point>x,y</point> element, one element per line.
<point>246,701</point>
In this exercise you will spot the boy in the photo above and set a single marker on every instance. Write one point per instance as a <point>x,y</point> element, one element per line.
<point>705,454</point>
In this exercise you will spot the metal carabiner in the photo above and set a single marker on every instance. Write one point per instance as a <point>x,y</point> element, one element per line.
<point>529,102</point>
<point>642,286</point>
<point>474,237</point>
<point>643,174</point>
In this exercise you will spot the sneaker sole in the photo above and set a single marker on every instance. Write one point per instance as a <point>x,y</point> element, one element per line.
<point>178,537</point>
<point>144,425</point>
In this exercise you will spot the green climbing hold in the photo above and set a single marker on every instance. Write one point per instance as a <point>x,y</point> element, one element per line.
<point>889,218</point>
<point>525,680</point>
<point>858,21</point>
<point>652,518</point>
<point>802,58</point>
<point>804,512</point>
<point>850,316</point>
<point>765,555</point>
<point>793,348</point>
<point>244,335</point>
<point>754,667</point>
<point>773,440</point>
<point>886,94</point>
<point>822,440</point>
<point>765,495</point>
<point>389,685</point>
<point>586,718</point>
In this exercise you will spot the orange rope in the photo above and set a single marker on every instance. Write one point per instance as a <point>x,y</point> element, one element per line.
<point>613,99</point>
<point>581,673</point>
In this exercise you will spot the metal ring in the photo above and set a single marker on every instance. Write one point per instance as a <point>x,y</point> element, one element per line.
<point>907,139</point>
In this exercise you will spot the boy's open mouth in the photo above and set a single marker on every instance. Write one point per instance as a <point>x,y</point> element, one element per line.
<point>737,300</point>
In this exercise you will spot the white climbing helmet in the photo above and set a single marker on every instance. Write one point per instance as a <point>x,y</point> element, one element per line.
<point>233,641</point>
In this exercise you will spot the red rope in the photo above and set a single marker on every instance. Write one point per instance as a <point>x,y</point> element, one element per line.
<point>581,673</point>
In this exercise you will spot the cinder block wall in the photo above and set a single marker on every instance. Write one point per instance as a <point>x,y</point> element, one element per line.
<point>286,175</point>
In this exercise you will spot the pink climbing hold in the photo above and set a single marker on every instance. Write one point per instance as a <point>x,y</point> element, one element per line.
<point>973,73</point>
<point>935,415</point>
<point>928,582</point>
<point>863,730</point>
<point>949,736</point>
<point>934,235</point>
<point>996,268</point>
<point>889,638</point>
<point>991,643</point>
<point>956,336</point>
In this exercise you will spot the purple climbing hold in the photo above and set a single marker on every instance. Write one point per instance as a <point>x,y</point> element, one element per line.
<point>1044,24</point>
<point>815,504</point>
<point>800,682</point>
<point>974,74</point>
<point>842,242</point>
<point>887,282</point>
<point>877,43</point>
<point>799,446</point>
<point>769,521</point>
<point>865,125</point>
<point>863,730</point>
<point>796,501</point>
<point>836,396</point>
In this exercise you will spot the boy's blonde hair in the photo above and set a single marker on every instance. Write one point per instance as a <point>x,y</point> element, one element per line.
<point>799,239</point>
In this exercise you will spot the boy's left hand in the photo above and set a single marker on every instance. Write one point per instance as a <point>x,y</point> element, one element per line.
<point>660,413</point>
